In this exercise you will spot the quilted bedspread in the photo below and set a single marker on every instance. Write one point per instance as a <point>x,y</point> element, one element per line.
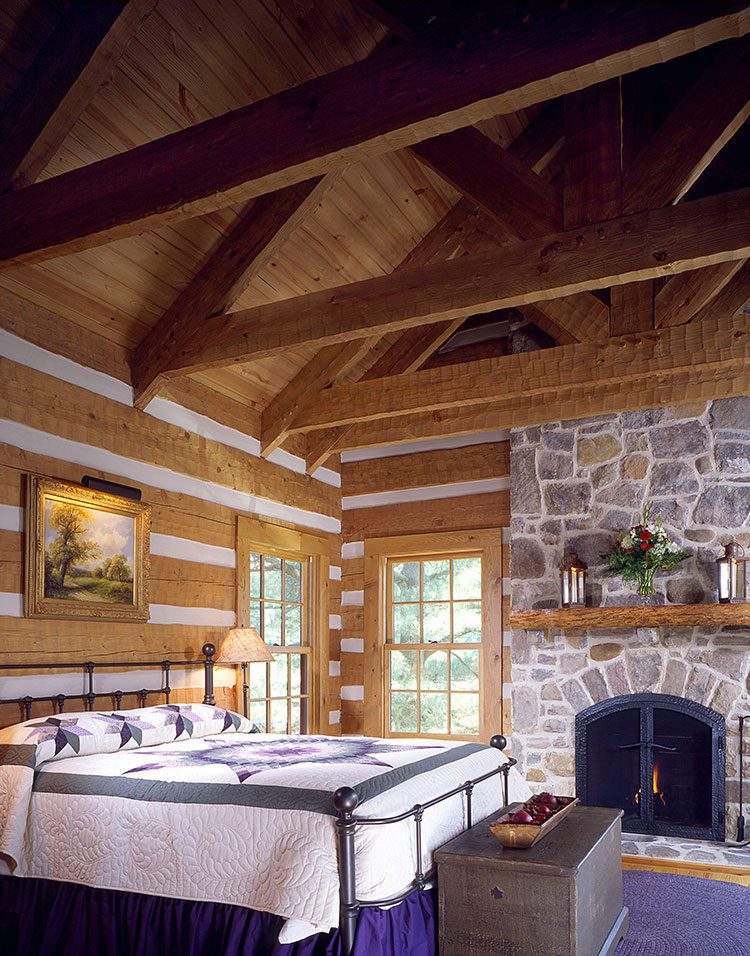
<point>232,816</point>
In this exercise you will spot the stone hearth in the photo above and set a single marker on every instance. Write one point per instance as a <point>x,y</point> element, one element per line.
<point>573,485</point>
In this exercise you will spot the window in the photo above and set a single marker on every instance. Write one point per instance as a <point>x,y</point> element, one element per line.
<point>433,635</point>
<point>282,589</point>
<point>279,611</point>
<point>433,640</point>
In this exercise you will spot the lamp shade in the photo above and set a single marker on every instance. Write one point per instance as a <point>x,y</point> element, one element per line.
<point>243,644</point>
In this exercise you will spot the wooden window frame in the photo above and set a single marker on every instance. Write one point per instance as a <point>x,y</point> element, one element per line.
<point>256,535</point>
<point>378,551</point>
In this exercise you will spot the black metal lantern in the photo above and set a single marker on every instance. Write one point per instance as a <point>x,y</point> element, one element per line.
<point>573,581</point>
<point>733,582</point>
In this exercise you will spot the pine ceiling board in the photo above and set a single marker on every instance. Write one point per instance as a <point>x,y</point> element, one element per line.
<point>365,226</point>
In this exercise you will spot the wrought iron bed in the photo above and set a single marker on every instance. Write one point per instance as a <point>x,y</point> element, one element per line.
<point>345,799</point>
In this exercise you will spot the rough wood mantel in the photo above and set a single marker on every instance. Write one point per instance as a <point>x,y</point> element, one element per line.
<point>670,615</point>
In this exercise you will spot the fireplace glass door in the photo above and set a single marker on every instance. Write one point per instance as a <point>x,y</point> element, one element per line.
<point>659,758</point>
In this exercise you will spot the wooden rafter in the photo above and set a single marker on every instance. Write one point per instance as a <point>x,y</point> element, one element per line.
<point>685,295</point>
<point>648,245</point>
<point>734,298</point>
<point>518,199</point>
<point>719,345</point>
<point>335,119</point>
<point>71,66</point>
<point>574,318</point>
<point>251,243</point>
<point>703,121</point>
<point>326,367</point>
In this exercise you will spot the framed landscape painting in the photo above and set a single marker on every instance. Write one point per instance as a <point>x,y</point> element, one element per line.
<point>87,553</point>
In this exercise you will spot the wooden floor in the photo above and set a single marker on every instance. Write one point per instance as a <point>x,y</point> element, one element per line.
<point>710,871</point>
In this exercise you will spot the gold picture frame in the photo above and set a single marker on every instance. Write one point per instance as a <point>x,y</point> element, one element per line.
<point>87,553</point>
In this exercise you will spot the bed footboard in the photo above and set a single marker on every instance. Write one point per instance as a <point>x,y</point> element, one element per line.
<point>345,801</point>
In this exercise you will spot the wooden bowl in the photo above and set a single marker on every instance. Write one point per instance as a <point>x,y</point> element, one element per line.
<point>520,836</point>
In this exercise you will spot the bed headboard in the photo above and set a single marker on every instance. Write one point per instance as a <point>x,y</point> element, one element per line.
<point>90,695</point>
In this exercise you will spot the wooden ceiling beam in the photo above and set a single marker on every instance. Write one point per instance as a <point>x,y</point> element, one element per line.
<point>434,84</point>
<point>719,344</point>
<point>77,58</point>
<point>685,295</point>
<point>703,121</point>
<point>514,196</point>
<point>648,245</point>
<point>585,402</point>
<point>251,243</point>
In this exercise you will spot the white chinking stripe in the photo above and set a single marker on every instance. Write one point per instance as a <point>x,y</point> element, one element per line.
<point>427,444</point>
<point>50,363</point>
<point>11,604</point>
<point>456,489</point>
<point>39,685</point>
<point>334,668</point>
<point>352,549</point>
<point>353,692</point>
<point>352,645</point>
<point>89,456</point>
<point>184,549</point>
<point>33,356</point>
<point>334,622</point>
<point>334,716</point>
<point>11,518</point>
<point>192,616</point>
<point>334,572</point>
<point>352,598</point>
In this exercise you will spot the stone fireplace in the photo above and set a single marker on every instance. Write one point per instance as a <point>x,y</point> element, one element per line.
<point>574,485</point>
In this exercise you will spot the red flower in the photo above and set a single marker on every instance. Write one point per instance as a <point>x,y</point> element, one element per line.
<point>627,550</point>
<point>645,534</point>
<point>645,546</point>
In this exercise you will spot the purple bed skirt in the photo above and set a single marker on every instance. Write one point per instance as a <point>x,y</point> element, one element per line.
<point>66,919</point>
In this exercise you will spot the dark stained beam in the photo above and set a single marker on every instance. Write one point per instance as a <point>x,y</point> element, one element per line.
<point>434,84</point>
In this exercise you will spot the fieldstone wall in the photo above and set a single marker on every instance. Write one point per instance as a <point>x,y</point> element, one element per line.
<point>574,485</point>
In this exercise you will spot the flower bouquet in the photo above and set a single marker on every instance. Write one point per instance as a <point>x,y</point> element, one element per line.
<point>643,551</point>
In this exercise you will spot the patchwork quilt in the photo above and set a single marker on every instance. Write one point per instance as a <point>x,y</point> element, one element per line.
<point>187,801</point>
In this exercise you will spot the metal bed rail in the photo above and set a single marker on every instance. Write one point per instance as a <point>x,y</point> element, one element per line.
<point>89,696</point>
<point>345,801</point>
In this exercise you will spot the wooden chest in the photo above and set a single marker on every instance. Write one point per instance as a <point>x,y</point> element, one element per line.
<point>562,897</point>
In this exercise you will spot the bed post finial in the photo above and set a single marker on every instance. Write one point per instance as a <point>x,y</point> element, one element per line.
<point>498,742</point>
<point>208,681</point>
<point>345,802</point>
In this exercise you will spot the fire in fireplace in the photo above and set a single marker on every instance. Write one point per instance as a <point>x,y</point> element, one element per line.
<point>660,758</point>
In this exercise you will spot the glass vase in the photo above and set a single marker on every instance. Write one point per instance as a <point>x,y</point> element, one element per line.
<point>646,582</point>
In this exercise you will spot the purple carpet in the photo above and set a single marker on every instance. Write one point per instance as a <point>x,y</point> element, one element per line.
<point>685,916</point>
